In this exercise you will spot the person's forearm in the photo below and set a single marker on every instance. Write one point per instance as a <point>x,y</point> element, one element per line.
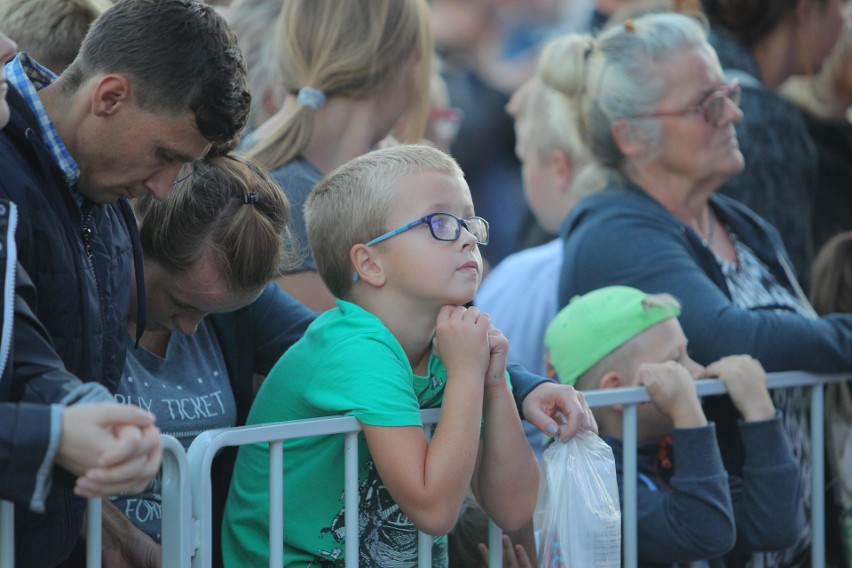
<point>25,446</point>
<point>523,383</point>
<point>765,522</point>
<point>451,454</point>
<point>506,480</point>
<point>429,481</point>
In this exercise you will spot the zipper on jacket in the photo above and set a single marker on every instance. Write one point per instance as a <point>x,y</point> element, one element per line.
<point>9,284</point>
<point>86,234</point>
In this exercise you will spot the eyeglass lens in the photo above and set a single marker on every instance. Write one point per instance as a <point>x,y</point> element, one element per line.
<point>446,227</point>
<point>715,105</point>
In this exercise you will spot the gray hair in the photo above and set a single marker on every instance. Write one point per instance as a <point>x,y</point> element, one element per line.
<point>617,76</point>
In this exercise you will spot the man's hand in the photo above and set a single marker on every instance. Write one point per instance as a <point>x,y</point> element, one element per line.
<point>558,410</point>
<point>114,448</point>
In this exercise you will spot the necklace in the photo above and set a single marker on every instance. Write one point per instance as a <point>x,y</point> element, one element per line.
<point>711,230</point>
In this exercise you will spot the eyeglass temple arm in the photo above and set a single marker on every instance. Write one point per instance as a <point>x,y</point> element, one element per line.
<point>390,234</point>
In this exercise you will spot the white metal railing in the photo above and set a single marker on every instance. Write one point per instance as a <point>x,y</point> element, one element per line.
<point>207,445</point>
<point>176,504</point>
<point>178,534</point>
<point>631,396</point>
<point>187,484</point>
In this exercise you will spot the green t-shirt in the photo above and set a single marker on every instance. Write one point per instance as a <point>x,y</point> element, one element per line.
<point>348,363</point>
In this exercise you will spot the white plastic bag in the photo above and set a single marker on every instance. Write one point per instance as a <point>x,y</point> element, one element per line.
<point>577,516</point>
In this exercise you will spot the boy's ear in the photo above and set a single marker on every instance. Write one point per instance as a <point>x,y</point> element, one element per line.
<point>110,92</point>
<point>363,259</point>
<point>612,380</point>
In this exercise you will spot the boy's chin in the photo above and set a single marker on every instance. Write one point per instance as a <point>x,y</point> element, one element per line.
<point>462,300</point>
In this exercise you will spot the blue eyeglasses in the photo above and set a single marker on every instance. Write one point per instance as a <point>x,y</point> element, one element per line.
<point>444,227</point>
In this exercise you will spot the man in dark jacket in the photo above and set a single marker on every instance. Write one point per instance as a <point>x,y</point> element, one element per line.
<point>112,447</point>
<point>156,85</point>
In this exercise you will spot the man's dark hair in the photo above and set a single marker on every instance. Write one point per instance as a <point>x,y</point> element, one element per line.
<point>180,55</point>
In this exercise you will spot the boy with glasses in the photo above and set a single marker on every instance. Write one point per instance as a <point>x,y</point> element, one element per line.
<point>396,241</point>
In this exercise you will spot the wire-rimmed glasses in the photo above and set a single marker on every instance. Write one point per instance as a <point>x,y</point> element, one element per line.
<point>711,108</point>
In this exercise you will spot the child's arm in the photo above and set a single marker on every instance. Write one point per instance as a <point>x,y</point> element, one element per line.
<point>429,481</point>
<point>764,522</point>
<point>505,481</point>
<point>695,519</point>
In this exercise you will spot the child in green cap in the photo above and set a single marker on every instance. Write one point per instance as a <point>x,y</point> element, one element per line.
<point>687,509</point>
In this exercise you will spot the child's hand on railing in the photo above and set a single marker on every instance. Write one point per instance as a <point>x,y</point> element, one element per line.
<point>746,382</point>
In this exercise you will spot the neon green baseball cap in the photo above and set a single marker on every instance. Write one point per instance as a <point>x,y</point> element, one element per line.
<point>593,325</point>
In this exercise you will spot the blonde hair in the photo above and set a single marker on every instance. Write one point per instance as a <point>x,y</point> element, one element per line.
<point>51,31</point>
<point>351,205</point>
<point>230,205</point>
<point>549,119</point>
<point>352,49</point>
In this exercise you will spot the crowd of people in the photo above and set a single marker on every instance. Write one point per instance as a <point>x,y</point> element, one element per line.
<point>287,209</point>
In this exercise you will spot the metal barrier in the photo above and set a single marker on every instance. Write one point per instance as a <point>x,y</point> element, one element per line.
<point>207,445</point>
<point>631,396</point>
<point>176,505</point>
<point>187,485</point>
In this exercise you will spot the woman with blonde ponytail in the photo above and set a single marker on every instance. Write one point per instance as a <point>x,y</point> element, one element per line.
<point>350,70</point>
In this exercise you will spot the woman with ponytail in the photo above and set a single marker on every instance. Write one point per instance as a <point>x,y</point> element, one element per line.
<point>351,70</point>
<point>214,321</point>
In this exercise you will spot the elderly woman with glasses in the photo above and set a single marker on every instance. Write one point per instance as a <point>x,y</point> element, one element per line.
<point>659,119</point>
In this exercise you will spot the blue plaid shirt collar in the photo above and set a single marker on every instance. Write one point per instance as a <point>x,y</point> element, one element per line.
<point>28,77</point>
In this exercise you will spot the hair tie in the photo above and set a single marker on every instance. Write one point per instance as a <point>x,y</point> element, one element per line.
<point>310,97</point>
<point>629,26</point>
<point>250,198</point>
